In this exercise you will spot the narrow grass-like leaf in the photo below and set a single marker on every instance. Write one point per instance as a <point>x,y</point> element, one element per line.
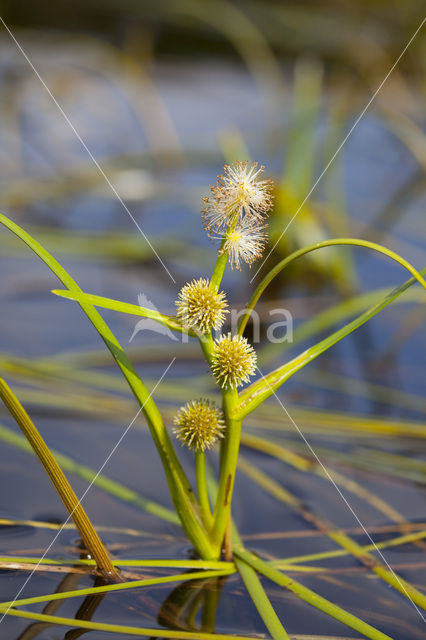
<point>284,453</point>
<point>273,448</point>
<point>337,423</point>
<point>122,586</point>
<point>261,600</point>
<point>310,596</point>
<point>301,135</point>
<point>55,526</point>
<point>301,156</point>
<point>367,461</point>
<point>123,307</point>
<point>258,594</point>
<point>118,628</point>
<point>99,246</point>
<point>301,591</point>
<point>330,317</point>
<point>343,540</point>
<point>257,392</point>
<point>338,553</point>
<point>273,273</point>
<point>155,564</point>
<point>380,393</point>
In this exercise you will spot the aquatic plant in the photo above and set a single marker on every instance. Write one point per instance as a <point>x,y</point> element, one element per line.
<point>235,213</point>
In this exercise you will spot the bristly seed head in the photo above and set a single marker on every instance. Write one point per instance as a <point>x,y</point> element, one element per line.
<point>200,307</point>
<point>198,425</point>
<point>238,195</point>
<point>234,361</point>
<point>244,243</point>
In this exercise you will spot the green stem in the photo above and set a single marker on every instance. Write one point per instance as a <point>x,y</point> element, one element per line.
<point>229,459</point>
<point>203,498</point>
<point>171,322</point>
<point>230,445</point>
<point>222,258</point>
<point>220,266</point>
<point>59,481</point>
<point>207,347</point>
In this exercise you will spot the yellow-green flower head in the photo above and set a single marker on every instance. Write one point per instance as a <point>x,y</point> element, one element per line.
<point>198,425</point>
<point>240,195</point>
<point>200,307</point>
<point>234,361</point>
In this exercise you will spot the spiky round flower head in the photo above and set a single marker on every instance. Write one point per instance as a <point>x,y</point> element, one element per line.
<point>244,243</point>
<point>234,361</point>
<point>200,307</point>
<point>237,195</point>
<point>198,424</point>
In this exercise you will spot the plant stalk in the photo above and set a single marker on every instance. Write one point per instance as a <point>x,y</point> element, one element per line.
<point>229,459</point>
<point>65,491</point>
<point>203,498</point>
<point>207,347</point>
<point>219,267</point>
<point>222,259</point>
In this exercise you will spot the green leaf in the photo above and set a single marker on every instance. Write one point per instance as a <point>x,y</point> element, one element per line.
<point>156,564</point>
<point>64,595</point>
<point>261,600</point>
<point>118,628</point>
<point>346,542</point>
<point>262,389</point>
<point>337,553</point>
<point>273,273</point>
<point>301,137</point>
<point>240,553</point>
<point>170,322</point>
<point>309,596</point>
<point>258,594</point>
<point>329,317</point>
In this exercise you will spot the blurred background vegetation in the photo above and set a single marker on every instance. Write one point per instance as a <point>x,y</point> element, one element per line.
<point>162,94</point>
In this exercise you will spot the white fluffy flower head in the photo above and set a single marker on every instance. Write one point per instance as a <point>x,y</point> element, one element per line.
<point>244,243</point>
<point>239,195</point>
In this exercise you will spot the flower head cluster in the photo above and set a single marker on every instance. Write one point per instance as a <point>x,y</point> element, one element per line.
<point>236,210</point>
<point>198,425</point>
<point>234,361</point>
<point>200,307</point>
